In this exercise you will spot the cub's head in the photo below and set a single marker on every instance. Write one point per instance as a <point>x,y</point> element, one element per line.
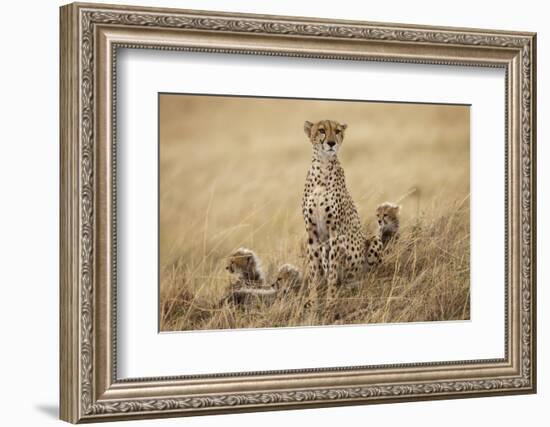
<point>288,278</point>
<point>326,136</point>
<point>245,264</point>
<point>388,215</point>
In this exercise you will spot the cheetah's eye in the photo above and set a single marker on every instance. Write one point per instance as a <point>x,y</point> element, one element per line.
<point>322,131</point>
<point>338,132</point>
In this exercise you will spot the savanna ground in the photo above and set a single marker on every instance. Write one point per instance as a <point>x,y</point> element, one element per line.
<point>231,175</point>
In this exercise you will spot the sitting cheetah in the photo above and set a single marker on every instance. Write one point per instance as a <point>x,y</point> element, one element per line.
<point>337,247</point>
<point>388,221</point>
<point>246,265</point>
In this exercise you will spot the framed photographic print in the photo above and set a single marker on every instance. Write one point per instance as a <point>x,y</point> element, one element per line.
<point>265,212</point>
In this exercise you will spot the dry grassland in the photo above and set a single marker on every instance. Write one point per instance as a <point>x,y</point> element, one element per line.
<point>232,172</point>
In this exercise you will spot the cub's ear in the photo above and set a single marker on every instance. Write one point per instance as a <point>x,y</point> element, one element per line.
<point>307,128</point>
<point>344,126</point>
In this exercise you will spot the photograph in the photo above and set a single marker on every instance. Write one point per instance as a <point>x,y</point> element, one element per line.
<point>287,212</point>
<point>269,210</point>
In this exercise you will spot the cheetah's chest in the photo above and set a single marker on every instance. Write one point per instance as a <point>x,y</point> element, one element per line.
<point>321,207</point>
<point>319,210</point>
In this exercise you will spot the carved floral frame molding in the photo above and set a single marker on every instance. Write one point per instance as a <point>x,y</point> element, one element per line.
<point>90,37</point>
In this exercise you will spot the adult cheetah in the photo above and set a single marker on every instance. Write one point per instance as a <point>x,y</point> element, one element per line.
<point>338,250</point>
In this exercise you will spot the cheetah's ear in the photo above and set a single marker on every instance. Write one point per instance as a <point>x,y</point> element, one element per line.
<point>307,128</point>
<point>344,126</point>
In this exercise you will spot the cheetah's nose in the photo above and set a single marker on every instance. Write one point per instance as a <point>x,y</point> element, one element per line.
<point>331,143</point>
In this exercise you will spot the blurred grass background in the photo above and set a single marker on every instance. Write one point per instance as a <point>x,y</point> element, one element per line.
<point>232,171</point>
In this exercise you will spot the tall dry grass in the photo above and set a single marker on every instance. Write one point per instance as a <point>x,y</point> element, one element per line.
<point>232,173</point>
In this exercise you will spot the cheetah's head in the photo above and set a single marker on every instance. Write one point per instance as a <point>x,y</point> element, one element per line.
<point>326,136</point>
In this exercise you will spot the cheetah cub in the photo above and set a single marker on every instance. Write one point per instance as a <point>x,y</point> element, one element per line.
<point>388,221</point>
<point>288,279</point>
<point>246,268</point>
<point>248,284</point>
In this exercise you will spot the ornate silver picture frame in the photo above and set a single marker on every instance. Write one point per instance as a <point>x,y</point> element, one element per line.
<point>91,36</point>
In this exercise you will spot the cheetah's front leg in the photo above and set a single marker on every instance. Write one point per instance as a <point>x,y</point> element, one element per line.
<point>315,270</point>
<point>335,266</point>
<point>374,252</point>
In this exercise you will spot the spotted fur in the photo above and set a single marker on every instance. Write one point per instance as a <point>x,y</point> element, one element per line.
<point>288,279</point>
<point>243,296</point>
<point>388,221</point>
<point>246,268</point>
<point>338,249</point>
